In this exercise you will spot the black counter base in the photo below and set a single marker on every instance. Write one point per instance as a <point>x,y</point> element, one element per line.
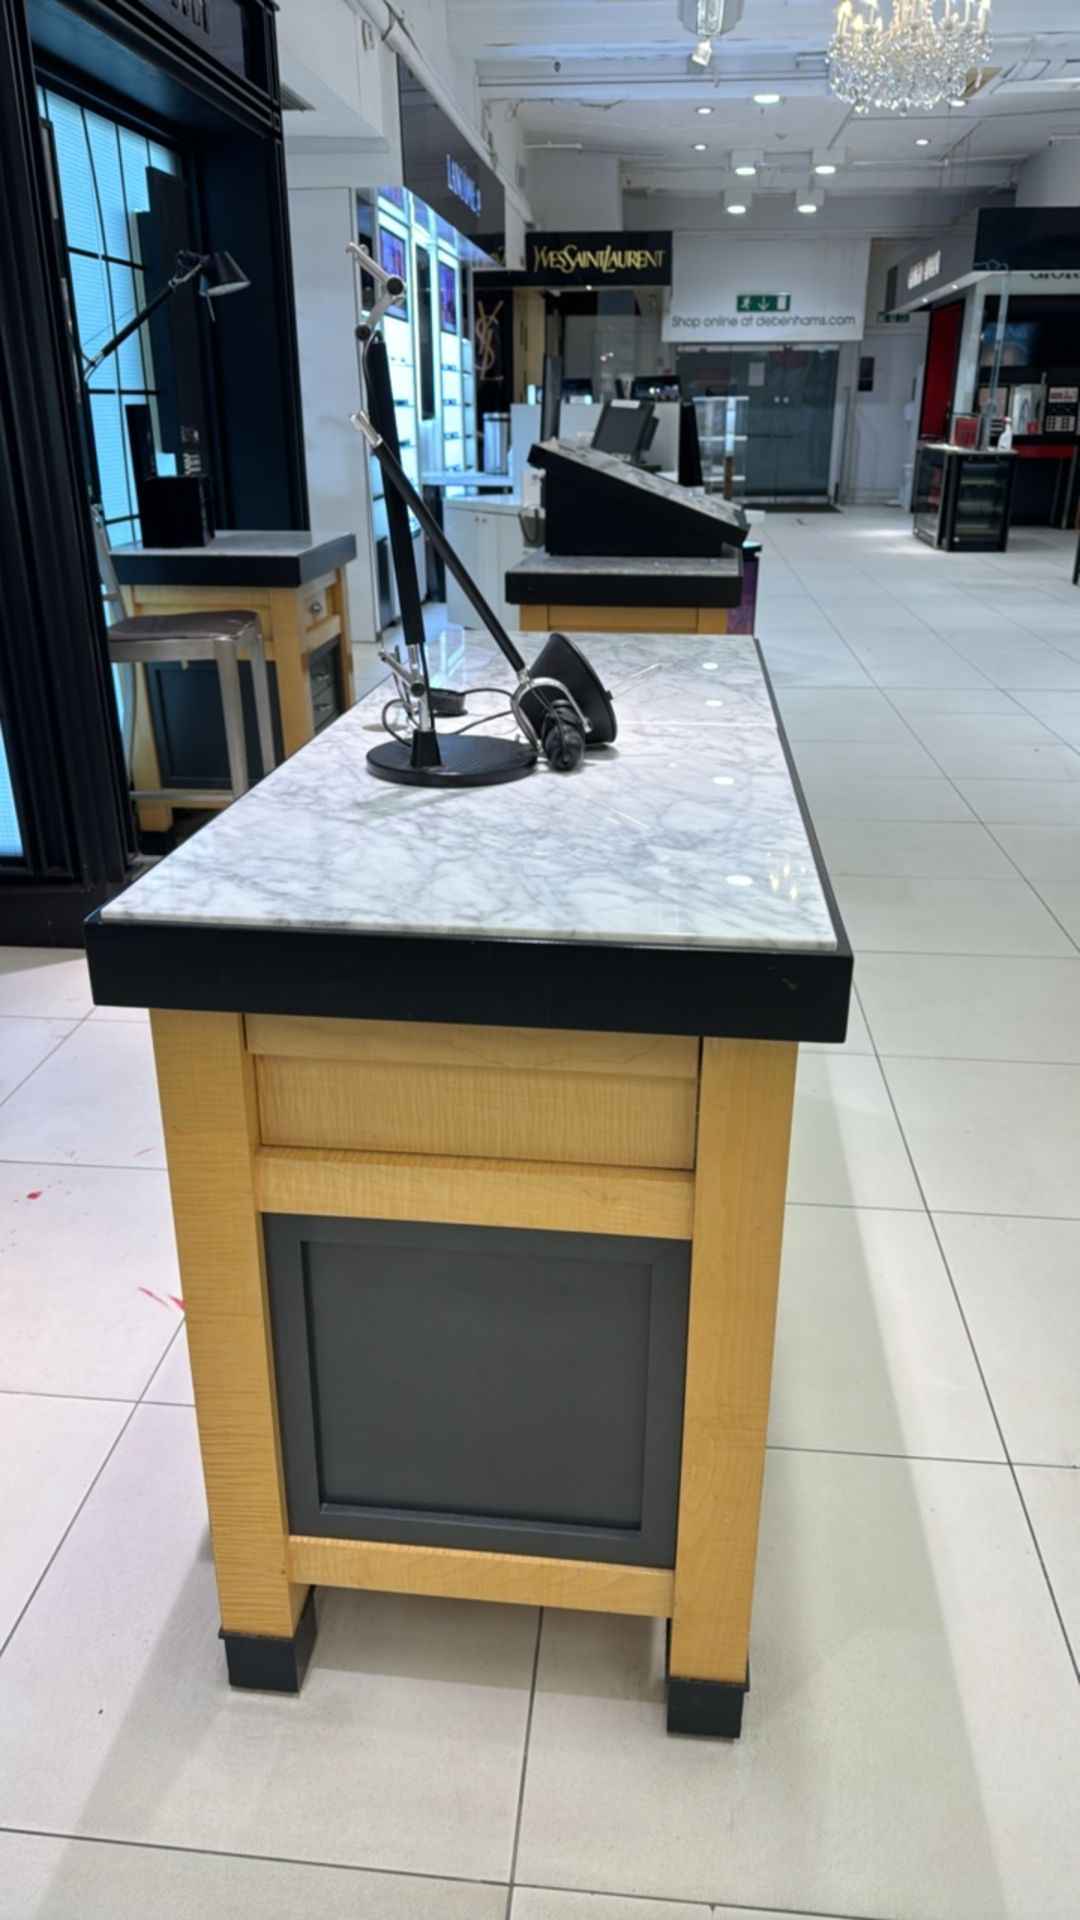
<point>263,1663</point>
<point>711,1709</point>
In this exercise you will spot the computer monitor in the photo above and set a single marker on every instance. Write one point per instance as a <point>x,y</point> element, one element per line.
<point>623,428</point>
<point>551,396</point>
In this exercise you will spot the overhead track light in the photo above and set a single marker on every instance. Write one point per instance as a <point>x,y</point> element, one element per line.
<point>737,203</point>
<point>766,99</point>
<point>810,200</point>
<point>744,163</point>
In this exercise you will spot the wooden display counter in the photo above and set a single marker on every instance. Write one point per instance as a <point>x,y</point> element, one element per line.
<point>477,1112</point>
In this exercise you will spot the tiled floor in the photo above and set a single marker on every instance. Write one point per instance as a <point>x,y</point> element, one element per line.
<point>912,1741</point>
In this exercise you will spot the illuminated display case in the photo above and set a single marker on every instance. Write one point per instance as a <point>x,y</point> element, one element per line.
<point>962,498</point>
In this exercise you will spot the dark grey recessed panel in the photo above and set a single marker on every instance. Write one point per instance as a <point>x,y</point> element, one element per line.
<point>480,1387</point>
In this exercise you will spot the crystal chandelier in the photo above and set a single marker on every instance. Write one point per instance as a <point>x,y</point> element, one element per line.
<point>923,55</point>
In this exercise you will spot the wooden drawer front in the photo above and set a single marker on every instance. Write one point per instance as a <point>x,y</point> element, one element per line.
<point>318,600</point>
<point>601,1100</point>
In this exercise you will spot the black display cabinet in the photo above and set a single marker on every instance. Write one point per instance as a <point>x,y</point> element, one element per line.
<point>962,499</point>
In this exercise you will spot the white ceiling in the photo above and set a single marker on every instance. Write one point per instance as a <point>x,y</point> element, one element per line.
<point>614,76</point>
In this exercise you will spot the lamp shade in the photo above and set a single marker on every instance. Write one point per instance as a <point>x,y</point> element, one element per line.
<point>221,274</point>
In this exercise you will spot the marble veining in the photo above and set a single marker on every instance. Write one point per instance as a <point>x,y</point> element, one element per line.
<point>688,832</point>
<point>646,566</point>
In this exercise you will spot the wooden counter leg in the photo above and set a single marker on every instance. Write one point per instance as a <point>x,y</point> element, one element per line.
<point>206,1082</point>
<point>291,666</point>
<point>744,1126</point>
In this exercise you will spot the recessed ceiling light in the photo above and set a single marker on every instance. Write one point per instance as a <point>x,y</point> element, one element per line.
<point>922,140</point>
<point>824,166</point>
<point>807,206</point>
<point>735,206</point>
<point>704,109</point>
<point>766,99</point>
<point>700,146</point>
<point>746,172</point>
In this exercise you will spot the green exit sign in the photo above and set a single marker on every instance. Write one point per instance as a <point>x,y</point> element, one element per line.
<point>763,303</point>
<point>893,319</point>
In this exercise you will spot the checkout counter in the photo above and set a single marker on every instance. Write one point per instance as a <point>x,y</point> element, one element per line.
<point>477,1111</point>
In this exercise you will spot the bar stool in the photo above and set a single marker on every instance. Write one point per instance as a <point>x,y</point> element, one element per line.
<point>159,639</point>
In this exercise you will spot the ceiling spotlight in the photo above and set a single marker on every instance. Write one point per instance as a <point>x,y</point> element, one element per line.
<point>702,54</point>
<point>922,140</point>
<point>744,163</point>
<point>766,99</point>
<point>828,160</point>
<point>704,109</point>
<point>810,202</point>
<point>700,146</point>
<point>738,204</point>
<point>824,166</point>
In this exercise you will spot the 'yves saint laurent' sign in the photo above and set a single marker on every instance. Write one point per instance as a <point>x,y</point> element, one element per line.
<point>598,259</point>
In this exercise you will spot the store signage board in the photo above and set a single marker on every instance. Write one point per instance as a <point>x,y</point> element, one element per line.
<point>444,171</point>
<point>1043,240</point>
<point>823,298</point>
<point>591,259</point>
<point>924,270</point>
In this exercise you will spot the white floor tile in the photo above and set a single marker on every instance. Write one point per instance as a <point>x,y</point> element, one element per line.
<point>1053,1503</point>
<point>49,982</point>
<point>94,1102</point>
<point>78,1246</point>
<point>901,759</point>
<point>972,759</point>
<point>1060,711</point>
<point>47,1879</point>
<point>1019,1284</point>
<point>171,1385</point>
<point>911,701</point>
<point>871,1352</point>
<point>914,849</point>
<point>972,1006</point>
<point>840,713</point>
<point>1054,803</point>
<point>50,1450</point>
<point>947,916</point>
<point>831,797</point>
<point>1042,852</point>
<point>403,1752</point>
<point>991,1138</point>
<point>24,1043</point>
<point>901,1623</point>
<point>1063,899</point>
<point>846,1148</point>
<point>531,1903</point>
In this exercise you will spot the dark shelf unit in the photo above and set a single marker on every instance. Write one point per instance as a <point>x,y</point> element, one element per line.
<point>962,501</point>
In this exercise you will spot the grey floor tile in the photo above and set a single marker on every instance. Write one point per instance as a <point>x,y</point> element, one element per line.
<point>403,1752</point>
<point>88,1278</point>
<point>1019,1285</point>
<point>991,1137</point>
<point>902,1621</point>
<point>913,849</point>
<point>50,1450</point>
<point>533,1903</point>
<point>50,1879</point>
<point>846,1148</point>
<point>1042,852</point>
<point>50,982</point>
<point>973,1006</point>
<point>901,915</point>
<point>24,1043</point>
<point>835,797</point>
<point>93,1102</point>
<point>1052,1498</point>
<point>1063,899</point>
<point>871,1352</point>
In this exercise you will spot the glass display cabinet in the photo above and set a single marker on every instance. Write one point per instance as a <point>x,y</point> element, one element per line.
<point>962,498</point>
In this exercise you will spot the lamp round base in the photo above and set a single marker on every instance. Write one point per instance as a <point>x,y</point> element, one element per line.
<point>465,761</point>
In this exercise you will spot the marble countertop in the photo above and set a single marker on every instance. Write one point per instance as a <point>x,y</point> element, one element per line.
<point>241,558</point>
<point>726,566</point>
<point>688,833</point>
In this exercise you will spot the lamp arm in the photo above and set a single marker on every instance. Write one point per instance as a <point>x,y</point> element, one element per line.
<point>179,279</point>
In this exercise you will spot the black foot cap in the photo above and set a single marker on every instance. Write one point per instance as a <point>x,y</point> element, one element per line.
<point>712,1708</point>
<point>266,1664</point>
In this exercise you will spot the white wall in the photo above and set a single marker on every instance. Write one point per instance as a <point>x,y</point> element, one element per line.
<point>322,221</point>
<point>1051,178</point>
<point>575,191</point>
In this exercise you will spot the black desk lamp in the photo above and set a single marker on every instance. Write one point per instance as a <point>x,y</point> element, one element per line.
<point>560,704</point>
<point>220,275</point>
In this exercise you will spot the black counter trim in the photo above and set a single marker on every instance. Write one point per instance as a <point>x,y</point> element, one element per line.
<point>738,993</point>
<point>184,568</point>
<point>712,589</point>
